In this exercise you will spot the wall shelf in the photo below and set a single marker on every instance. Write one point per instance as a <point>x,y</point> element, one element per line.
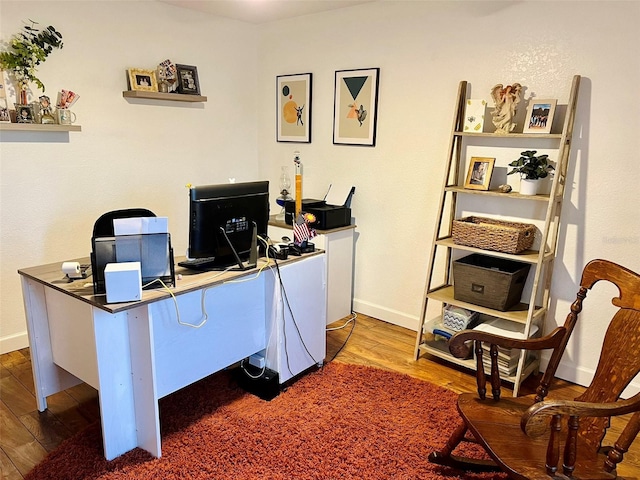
<point>173,97</point>
<point>37,127</point>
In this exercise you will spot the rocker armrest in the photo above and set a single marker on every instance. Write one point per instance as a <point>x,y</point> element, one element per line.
<point>460,344</point>
<point>535,420</point>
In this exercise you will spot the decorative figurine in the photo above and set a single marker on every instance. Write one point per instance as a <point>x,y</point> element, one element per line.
<point>506,100</point>
<point>46,116</point>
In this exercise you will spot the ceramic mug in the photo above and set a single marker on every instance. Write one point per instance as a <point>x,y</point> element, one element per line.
<point>66,117</point>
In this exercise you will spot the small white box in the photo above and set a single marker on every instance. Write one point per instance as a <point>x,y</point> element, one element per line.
<point>123,282</point>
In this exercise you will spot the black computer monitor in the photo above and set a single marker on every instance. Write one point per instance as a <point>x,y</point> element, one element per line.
<point>224,221</point>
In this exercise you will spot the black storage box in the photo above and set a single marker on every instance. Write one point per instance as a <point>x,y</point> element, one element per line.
<point>327,216</point>
<point>488,281</point>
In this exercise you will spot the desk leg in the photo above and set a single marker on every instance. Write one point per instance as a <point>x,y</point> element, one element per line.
<point>144,380</point>
<point>116,394</point>
<point>47,376</point>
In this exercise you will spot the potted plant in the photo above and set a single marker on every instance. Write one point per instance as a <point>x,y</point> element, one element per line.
<point>531,168</point>
<point>25,52</point>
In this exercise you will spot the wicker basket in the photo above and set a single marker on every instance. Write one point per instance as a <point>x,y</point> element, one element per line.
<point>490,234</point>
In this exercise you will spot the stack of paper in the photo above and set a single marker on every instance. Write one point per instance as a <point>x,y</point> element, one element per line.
<point>507,358</point>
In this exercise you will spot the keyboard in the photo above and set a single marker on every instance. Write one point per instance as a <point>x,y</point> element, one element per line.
<point>198,263</point>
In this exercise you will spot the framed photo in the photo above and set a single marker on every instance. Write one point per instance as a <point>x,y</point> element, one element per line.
<point>188,79</point>
<point>143,80</point>
<point>539,116</point>
<point>474,115</point>
<point>479,174</point>
<point>25,114</point>
<point>355,110</point>
<point>5,116</point>
<point>293,93</point>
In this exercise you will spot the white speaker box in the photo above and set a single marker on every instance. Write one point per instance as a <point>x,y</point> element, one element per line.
<point>123,282</point>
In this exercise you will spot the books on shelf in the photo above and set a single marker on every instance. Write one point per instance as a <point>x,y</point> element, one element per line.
<point>507,357</point>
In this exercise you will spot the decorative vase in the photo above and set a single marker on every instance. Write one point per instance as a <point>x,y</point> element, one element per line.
<point>529,187</point>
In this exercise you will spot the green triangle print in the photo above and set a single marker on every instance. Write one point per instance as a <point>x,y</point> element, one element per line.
<point>354,84</point>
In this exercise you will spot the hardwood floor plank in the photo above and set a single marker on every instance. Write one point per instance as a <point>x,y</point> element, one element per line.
<point>7,469</point>
<point>18,443</point>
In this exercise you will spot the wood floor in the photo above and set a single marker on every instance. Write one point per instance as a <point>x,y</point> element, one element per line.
<point>27,435</point>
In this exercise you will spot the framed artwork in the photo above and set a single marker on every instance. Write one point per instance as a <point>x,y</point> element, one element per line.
<point>539,116</point>
<point>25,114</point>
<point>474,115</point>
<point>479,174</point>
<point>5,116</point>
<point>143,80</point>
<point>355,110</point>
<point>188,79</point>
<point>293,106</point>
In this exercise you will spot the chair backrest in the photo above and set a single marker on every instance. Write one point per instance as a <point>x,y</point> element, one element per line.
<point>103,227</point>
<point>619,360</point>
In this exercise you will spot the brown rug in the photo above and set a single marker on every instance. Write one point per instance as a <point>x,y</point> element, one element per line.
<point>341,422</point>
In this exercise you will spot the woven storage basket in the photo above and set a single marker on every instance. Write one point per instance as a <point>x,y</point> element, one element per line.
<point>490,282</point>
<point>490,234</point>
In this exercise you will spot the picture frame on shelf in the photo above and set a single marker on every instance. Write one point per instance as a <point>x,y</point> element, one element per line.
<point>474,115</point>
<point>25,113</point>
<point>293,117</point>
<point>479,174</point>
<point>5,116</point>
<point>355,109</point>
<point>540,113</point>
<point>142,80</point>
<point>188,82</point>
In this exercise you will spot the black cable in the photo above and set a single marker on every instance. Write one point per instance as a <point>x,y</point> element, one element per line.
<point>293,318</point>
<point>346,340</point>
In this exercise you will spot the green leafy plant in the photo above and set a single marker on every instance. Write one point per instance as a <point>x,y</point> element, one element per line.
<point>530,166</point>
<point>28,49</point>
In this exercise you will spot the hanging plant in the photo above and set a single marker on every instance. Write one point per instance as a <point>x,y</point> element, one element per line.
<point>28,49</point>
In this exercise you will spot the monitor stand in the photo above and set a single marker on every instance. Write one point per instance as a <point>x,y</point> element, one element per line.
<point>253,254</point>
<point>211,264</point>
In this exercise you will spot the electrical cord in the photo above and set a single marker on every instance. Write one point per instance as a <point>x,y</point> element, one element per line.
<point>352,319</point>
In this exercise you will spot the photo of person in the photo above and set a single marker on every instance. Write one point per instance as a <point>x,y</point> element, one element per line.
<point>24,114</point>
<point>479,174</point>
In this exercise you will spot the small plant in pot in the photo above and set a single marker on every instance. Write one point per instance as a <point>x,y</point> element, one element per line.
<point>531,169</point>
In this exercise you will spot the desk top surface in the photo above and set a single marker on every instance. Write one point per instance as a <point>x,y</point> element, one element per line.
<point>51,276</point>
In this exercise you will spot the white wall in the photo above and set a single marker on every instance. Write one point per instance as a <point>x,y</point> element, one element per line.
<point>423,50</point>
<point>129,153</point>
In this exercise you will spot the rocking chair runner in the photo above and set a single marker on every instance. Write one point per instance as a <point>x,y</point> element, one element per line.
<point>525,436</point>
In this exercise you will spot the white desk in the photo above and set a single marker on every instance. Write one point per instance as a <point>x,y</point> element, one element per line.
<point>338,244</point>
<point>136,353</point>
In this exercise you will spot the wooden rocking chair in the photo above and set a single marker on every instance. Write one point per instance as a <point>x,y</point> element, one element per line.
<point>524,435</point>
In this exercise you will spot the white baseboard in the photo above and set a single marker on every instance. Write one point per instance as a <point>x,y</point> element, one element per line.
<point>13,342</point>
<point>388,315</point>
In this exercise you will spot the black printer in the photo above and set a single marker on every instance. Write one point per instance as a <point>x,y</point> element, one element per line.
<point>327,216</point>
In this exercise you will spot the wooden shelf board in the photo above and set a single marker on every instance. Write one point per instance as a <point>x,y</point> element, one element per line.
<point>37,127</point>
<point>517,313</point>
<point>528,256</point>
<point>173,97</point>
<point>439,349</point>
<point>497,193</point>
<point>510,135</point>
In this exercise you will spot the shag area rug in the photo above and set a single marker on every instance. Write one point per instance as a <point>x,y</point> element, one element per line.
<point>340,422</point>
